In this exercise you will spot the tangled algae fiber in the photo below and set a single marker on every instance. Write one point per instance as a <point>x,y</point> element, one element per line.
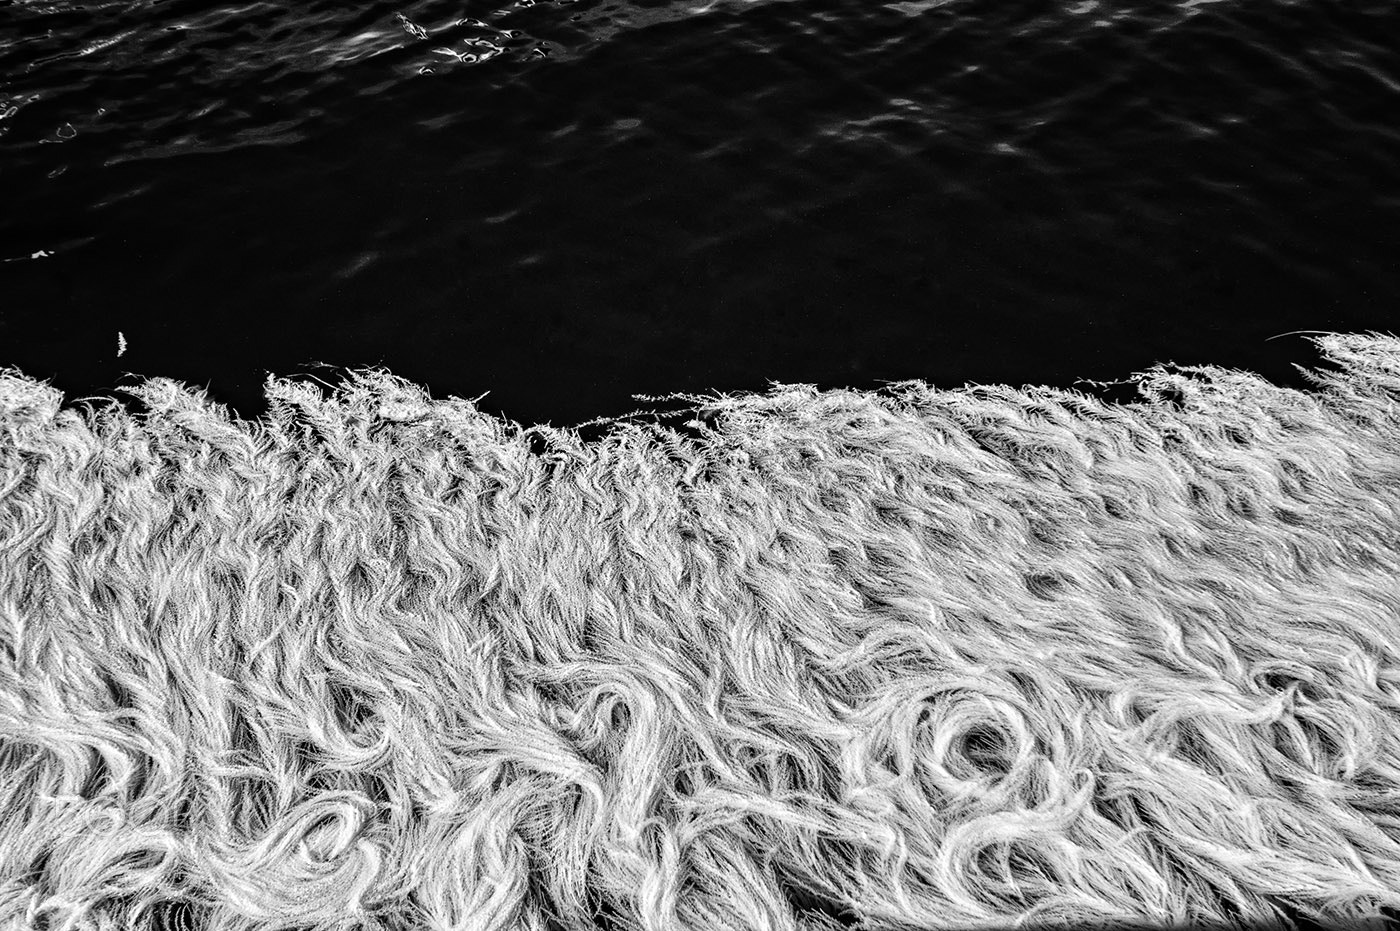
<point>906,659</point>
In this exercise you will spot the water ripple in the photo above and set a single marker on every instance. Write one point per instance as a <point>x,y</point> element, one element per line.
<point>1126,113</point>
<point>159,78</point>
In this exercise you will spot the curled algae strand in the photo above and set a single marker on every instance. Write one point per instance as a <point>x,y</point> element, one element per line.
<point>930,658</point>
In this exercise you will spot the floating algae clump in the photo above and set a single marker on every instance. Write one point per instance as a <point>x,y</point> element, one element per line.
<point>893,660</point>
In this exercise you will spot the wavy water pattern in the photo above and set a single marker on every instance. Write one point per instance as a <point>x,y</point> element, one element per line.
<point>632,186</point>
<point>186,76</point>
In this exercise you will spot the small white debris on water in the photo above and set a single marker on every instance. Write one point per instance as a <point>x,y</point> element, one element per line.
<point>121,344</point>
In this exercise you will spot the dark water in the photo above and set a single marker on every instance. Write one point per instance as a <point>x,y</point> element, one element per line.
<point>568,203</point>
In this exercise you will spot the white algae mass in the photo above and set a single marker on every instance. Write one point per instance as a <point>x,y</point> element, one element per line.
<point>920,658</point>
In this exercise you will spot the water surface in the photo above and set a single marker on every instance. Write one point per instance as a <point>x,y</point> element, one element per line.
<point>567,203</point>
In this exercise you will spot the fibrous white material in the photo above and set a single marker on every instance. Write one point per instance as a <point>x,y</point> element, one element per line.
<point>941,659</point>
